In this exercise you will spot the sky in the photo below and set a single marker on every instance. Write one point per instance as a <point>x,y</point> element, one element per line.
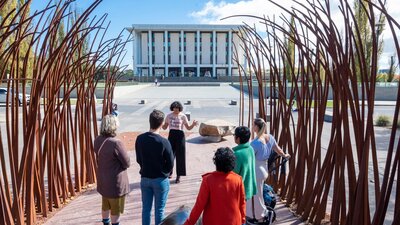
<point>124,13</point>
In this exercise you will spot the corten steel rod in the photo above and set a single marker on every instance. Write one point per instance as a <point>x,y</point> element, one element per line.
<point>309,59</point>
<point>46,150</point>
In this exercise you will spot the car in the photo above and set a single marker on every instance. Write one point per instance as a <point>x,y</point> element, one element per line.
<point>3,97</point>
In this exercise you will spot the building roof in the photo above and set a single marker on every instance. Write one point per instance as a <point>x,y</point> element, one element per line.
<point>184,27</point>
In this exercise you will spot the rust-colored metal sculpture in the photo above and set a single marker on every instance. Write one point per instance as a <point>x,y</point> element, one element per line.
<point>340,180</point>
<point>46,142</point>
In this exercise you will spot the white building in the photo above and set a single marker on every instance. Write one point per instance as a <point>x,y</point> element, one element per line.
<point>185,50</point>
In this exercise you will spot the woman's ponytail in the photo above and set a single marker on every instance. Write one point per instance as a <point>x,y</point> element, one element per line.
<point>262,128</point>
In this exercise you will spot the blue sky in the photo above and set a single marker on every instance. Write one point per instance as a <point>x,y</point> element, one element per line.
<point>124,13</point>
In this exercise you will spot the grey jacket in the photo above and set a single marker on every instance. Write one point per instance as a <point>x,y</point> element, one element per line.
<point>113,161</point>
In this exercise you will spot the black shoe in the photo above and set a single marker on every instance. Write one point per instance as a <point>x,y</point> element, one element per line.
<point>107,223</point>
<point>178,180</point>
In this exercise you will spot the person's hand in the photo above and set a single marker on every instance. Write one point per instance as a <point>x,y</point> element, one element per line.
<point>195,122</point>
<point>286,156</point>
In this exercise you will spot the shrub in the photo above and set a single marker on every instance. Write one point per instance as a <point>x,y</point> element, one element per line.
<point>382,121</point>
<point>381,77</point>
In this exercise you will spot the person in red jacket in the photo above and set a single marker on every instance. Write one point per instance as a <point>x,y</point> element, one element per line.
<point>221,197</point>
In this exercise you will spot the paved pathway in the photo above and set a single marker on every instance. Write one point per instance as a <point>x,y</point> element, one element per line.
<point>86,208</point>
<point>207,102</point>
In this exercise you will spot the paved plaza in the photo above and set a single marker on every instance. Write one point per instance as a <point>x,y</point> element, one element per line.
<point>208,102</point>
<point>86,208</point>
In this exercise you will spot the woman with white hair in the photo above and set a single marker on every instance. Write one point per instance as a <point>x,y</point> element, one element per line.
<point>263,145</point>
<point>112,176</point>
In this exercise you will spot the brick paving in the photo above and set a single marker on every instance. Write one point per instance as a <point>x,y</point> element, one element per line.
<point>85,209</point>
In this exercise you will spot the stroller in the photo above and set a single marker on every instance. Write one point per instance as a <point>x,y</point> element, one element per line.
<point>270,202</point>
<point>269,197</point>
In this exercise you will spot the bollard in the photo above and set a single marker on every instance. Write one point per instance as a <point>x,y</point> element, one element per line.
<point>187,115</point>
<point>328,117</point>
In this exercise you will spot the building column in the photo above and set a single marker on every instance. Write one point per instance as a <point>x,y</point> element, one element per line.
<point>165,53</point>
<point>150,51</point>
<point>214,53</point>
<point>230,53</point>
<point>182,55</point>
<point>134,53</point>
<point>198,52</point>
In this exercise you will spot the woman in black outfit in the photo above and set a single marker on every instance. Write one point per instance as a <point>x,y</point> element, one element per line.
<point>176,120</point>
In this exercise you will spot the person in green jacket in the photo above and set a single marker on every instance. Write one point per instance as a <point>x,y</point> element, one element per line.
<point>245,165</point>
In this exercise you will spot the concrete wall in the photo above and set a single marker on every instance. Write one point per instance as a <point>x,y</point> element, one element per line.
<point>236,45</point>
<point>190,48</point>
<point>145,49</point>
<point>174,48</point>
<point>221,48</point>
<point>205,48</point>
<point>158,48</point>
<point>381,93</point>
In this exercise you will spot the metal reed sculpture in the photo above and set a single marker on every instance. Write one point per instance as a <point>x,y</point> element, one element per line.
<point>303,58</point>
<point>46,146</point>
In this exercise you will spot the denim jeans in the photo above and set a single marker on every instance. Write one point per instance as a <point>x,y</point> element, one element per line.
<point>156,189</point>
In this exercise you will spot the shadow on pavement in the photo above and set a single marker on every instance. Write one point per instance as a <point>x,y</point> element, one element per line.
<point>202,140</point>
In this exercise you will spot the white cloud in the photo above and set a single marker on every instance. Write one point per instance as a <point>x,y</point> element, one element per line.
<point>214,11</point>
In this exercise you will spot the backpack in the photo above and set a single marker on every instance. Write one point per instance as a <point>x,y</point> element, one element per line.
<point>269,196</point>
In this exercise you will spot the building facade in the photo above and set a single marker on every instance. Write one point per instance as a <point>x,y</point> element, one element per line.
<point>185,50</point>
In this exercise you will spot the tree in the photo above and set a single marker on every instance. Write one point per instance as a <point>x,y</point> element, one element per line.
<point>392,68</point>
<point>60,32</point>
<point>6,18</point>
<point>7,15</point>
<point>128,73</point>
<point>24,47</point>
<point>289,44</point>
<point>361,10</point>
<point>101,73</point>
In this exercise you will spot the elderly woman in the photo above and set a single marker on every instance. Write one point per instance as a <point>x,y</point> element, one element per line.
<point>176,120</point>
<point>112,176</point>
<point>221,197</point>
<point>263,145</point>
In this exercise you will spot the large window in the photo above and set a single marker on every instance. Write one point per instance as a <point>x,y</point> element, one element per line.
<point>174,72</point>
<point>190,72</point>
<point>206,72</point>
